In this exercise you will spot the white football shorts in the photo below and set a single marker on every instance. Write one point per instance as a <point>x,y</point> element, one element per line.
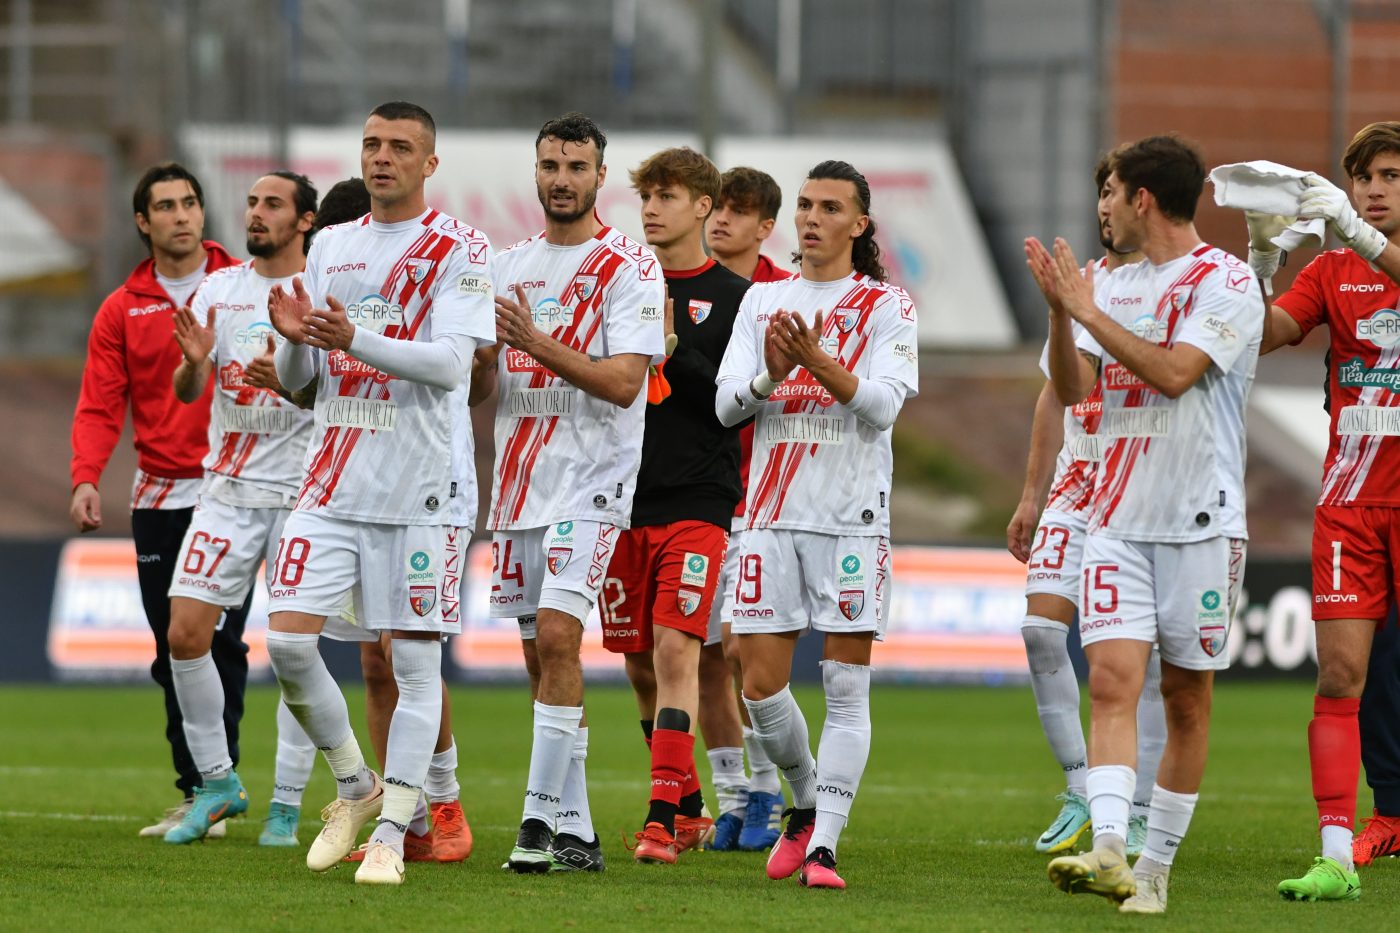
<point>787,581</point>
<point>1056,553</point>
<point>560,566</point>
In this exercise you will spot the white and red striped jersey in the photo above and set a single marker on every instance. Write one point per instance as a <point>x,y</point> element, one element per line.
<point>562,454</point>
<point>256,437</point>
<point>815,465</point>
<point>1173,469</point>
<point>385,449</point>
<point>1077,462</point>
<point>1358,304</point>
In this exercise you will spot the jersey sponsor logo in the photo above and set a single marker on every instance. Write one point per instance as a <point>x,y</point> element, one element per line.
<point>830,345</point>
<point>538,403</point>
<point>346,267</point>
<point>804,429</point>
<point>846,319</point>
<point>695,570</point>
<point>1090,406</point>
<point>803,388</point>
<point>518,361</point>
<point>422,599</point>
<point>261,419</point>
<point>420,568</point>
<point>1363,287</point>
<point>549,314</point>
<point>851,603</point>
<point>418,269</point>
<point>1369,419</point>
<point>1336,598</point>
<point>1149,328</point>
<point>852,572</point>
<point>231,377</point>
<point>1381,328</point>
<point>222,307</point>
<point>1137,422</point>
<point>905,352</point>
<point>254,336</point>
<point>585,286</point>
<point>342,364</point>
<point>1086,447</point>
<point>1116,302</point>
<point>149,309</point>
<point>649,314</point>
<point>753,613</point>
<point>699,310</point>
<point>1355,372</point>
<point>476,285</point>
<point>374,414</point>
<point>374,312</point>
<point>558,559</point>
<point>1217,326</point>
<point>687,601</point>
<point>1120,378</point>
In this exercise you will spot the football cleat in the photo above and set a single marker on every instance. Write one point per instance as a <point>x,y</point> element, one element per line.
<point>819,870</point>
<point>1068,826</point>
<point>344,819</point>
<point>570,853</point>
<point>215,801</point>
<point>692,832</point>
<point>1379,837</point>
<point>1150,897</point>
<point>791,851</point>
<point>763,821</point>
<point>381,865</point>
<point>280,827</point>
<point>655,846</point>
<point>726,835</point>
<point>531,853</point>
<point>1137,835</point>
<point>1101,871</point>
<point>1327,880</point>
<point>416,848</point>
<point>451,835</point>
<point>172,817</point>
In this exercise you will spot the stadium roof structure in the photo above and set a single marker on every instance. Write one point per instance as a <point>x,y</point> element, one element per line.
<point>31,248</point>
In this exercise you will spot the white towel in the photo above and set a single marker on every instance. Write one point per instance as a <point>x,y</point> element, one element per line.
<point>1271,189</point>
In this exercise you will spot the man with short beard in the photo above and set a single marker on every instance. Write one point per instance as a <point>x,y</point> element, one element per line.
<point>252,473</point>
<point>580,323</point>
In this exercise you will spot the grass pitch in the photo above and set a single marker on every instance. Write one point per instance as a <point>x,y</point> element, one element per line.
<point>959,784</point>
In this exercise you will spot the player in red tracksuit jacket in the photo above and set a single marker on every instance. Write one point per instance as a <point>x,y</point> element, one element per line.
<point>131,361</point>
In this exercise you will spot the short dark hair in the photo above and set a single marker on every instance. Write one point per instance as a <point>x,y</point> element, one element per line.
<point>1381,138</point>
<point>403,110</point>
<point>303,198</point>
<point>679,166</point>
<point>574,127</point>
<point>346,201</point>
<point>1102,169</point>
<point>1167,166</point>
<point>165,171</point>
<point>865,252</point>
<point>748,189</point>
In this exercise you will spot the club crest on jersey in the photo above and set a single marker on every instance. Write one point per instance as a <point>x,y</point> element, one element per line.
<point>851,603</point>
<point>558,559</point>
<point>1181,297</point>
<point>585,286</point>
<point>687,601</point>
<point>422,599</point>
<point>846,319</point>
<point>699,310</point>
<point>418,270</point>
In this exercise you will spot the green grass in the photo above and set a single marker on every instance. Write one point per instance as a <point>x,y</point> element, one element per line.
<point>959,783</point>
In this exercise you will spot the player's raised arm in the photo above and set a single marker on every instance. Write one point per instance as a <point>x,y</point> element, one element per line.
<point>1071,373</point>
<point>746,378</point>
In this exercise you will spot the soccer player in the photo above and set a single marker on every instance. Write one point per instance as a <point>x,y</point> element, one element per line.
<point>825,362</point>
<point>1175,339</point>
<point>581,320</point>
<point>661,585</point>
<point>251,478</point>
<point>749,201</point>
<point>1052,544</point>
<point>1354,548</point>
<point>131,359</point>
<point>389,483</point>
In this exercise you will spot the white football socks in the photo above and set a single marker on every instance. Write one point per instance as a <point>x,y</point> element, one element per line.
<point>573,816</point>
<point>1167,824</point>
<point>296,755</point>
<point>555,729</point>
<point>731,785</point>
<point>763,774</point>
<point>1056,696</point>
<point>312,696</point>
<point>1152,734</point>
<point>1336,845</point>
<point>413,730</point>
<point>844,749</point>
<point>1110,790</point>
<point>399,804</point>
<point>441,784</point>
<point>779,727</point>
<point>201,697</point>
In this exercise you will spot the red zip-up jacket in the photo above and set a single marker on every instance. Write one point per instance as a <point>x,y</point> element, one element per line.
<point>132,356</point>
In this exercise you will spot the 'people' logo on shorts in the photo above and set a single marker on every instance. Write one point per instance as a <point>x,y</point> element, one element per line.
<point>1210,599</point>
<point>419,561</point>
